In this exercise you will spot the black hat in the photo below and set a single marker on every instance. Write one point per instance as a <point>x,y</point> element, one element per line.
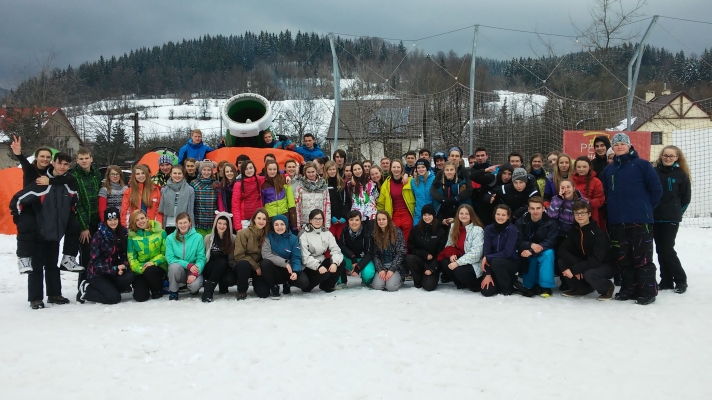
<point>111,213</point>
<point>428,209</point>
<point>422,161</point>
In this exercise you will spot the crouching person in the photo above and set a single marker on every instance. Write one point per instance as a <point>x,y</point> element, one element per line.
<point>185,253</point>
<point>501,261</point>
<point>146,254</point>
<point>462,257</point>
<point>537,238</point>
<point>357,245</point>
<point>425,242</point>
<point>315,240</point>
<point>583,257</point>
<point>282,259</point>
<point>108,274</point>
<point>389,255</point>
<point>219,249</point>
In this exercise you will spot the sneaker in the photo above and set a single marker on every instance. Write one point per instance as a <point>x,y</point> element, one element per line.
<point>57,300</point>
<point>157,295</point>
<point>609,293</point>
<point>564,287</point>
<point>521,289</point>
<point>644,300</point>
<point>36,304</point>
<point>24,264</point>
<point>69,263</point>
<point>623,296</point>
<point>173,296</point>
<point>82,291</point>
<point>286,289</point>
<point>206,299</point>
<point>409,278</point>
<point>681,288</point>
<point>274,292</point>
<point>545,292</point>
<point>240,296</point>
<point>666,286</point>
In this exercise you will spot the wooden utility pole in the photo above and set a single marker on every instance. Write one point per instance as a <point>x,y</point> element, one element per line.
<point>135,118</point>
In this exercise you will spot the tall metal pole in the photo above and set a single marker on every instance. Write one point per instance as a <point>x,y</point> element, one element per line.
<point>633,77</point>
<point>337,92</point>
<point>135,118</point>
<point>472,90</point>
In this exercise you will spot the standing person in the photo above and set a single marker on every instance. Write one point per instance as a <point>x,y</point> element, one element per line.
<point>177,196</point>
<point>49,210</point>
<point>165,162</point>
<point>590,187</point>
<point>108,273</point>
<point>584,257</point>
<point>385,166</point>
<point>536,242</point>
<point>461,259</point>
<point>367,164</point>
<point>248,255</point>
<point>141,194</point>
<point>194,147</point>
<point>425,154</point>
<point>449,191</point>
<point>363,193</point>
<point>516,160</point>
<point>396,198</point>
<point>409,167</point>
<point>426,241</point>
<point>291,170</point>
<point>536,169</point>
<point>633,190</point>
<point>312,194</point>
<point>282,259</point>
<point>191,169</point>
<point>219,256</point>
<point>551,160</point>
<point>315,241</point>
<point>420,184</point>
<point>376,175</point>
<point>347,173</point>
<point>310,149</point>
<point>515,194</point>
<point>439,159</point>
<point>246,195</point>
<point>389,255</point>
<point>601,144</point>
<point>225,186</point>
<point>357,246</point>
<point>481,159</point>
<point>146,255</point>
<point>88,184</point>
<point>500,261</point>
<point>277,196</point>
<point>35,169</point>
<point>339,159</point>
<point>112,190</point>
<point>339,199</point>
<point>185,255</point>
<point>238,163</point>
<point>675,178</point>
<point>561,172</point>
<point>206,197</point>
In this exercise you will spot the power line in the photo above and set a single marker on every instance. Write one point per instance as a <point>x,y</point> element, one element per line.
<point>687,20</point>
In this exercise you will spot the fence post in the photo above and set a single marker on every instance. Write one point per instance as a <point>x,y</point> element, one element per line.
<point>472,89</point>
<point>633,77</point>
<point>337,92</point>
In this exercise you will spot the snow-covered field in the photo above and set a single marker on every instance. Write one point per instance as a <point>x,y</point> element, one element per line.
<point>358,343</point>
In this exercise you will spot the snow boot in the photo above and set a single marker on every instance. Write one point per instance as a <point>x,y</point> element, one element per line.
<point>645,300</point>
<point>545,292</point>
<point>81,294</point>
<point>57,300</point>
<point>173,296</point>
<point>274,292</point>
<point>665,285</point>
<point>681,288</point>
<point>624,296</point>
<point>208,291</point>
<point>36,304</point>
<point>69,263</point>
<point>24,264</point>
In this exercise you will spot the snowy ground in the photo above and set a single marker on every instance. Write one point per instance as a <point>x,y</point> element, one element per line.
<point>357,343</point>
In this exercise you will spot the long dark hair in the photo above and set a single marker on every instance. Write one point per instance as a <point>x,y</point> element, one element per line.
<point>225,244</point>
<point>243,168</point>
<point>278,181</point>
<point>362,181</point>
<point>384,237</point>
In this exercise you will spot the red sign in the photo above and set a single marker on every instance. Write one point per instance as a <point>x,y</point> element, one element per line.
<point>580,143</point>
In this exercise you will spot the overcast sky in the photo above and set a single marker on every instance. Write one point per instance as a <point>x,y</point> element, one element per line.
<point>82,30</point>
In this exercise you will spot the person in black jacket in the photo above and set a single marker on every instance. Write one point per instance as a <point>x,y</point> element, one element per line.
<point>601,144</point>
<point>536,242</point>
<point>425,242</point>
<point>516,194</point>
<point>357,246</point>
<point>490,180</point>
<point>674,176</point>
<point>500,261</point>
<point>584,257</point>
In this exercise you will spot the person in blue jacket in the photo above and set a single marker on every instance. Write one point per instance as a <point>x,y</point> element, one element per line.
<point>420,183</point>
<point>310,149</point>
<point>282,259</point>
<point>194,148</point>
<point>633,190</point>
<point>500,261</point>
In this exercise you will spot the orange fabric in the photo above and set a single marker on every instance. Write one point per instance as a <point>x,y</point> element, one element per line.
<point>150,159</point>
<point>151,209</point>
<point>256,155</point>
<point>11,179</point>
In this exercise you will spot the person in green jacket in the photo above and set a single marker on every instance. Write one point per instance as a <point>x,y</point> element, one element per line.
<point>185,254</point>
<point>146,251</point>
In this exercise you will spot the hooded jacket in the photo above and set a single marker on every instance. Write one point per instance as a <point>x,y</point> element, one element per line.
<point>209,239</point>
<point>192,150</point>
<point>283,248</point>
<point>595,196</point>
<point>385,200</point>
<point>147,245</point>
<point>600,163</point>
<point>246,199</point>
<point>427,239</point>
<point>313,196</point>
<point>677,193</point>
<point>361,246</point>
<point>310,154</point>
<point>474,240</point>
<point>585,247</point>
<point>248,243</point>
<point>420,186</point>
<point>106,254</point>
<point>560,210</point>
<point>316,242</point>
<point>632,189</point>
<point>191,250</point>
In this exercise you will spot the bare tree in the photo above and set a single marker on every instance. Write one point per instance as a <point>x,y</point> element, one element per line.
<point>299,118</point>
<point>39,84</point>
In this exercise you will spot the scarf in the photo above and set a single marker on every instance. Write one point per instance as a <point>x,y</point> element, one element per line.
<point>353,234</point>
<point>314,186</point>
<point>538,172</point>
<point>499,228</point>
<point>168,199</point>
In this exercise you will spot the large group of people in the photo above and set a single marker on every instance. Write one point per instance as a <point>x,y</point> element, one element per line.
<point>429,218</point>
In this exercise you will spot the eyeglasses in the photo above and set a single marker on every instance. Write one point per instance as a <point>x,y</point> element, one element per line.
<point>114,174</point>
<point>581,213</point>
<point>669,156</point>
<point>317,219</point>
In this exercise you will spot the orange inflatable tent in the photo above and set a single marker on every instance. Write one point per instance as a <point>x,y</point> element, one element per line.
<point>230,154</point>
<point>11,179</point>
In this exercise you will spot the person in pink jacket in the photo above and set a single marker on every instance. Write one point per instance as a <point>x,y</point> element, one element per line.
<point>246,195</point>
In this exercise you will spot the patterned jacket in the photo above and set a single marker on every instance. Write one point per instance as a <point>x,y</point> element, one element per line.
<point>147,245</point>
<point>206,197</point>
<point>88,184</point>
<point>364,201</point>
<point>160,179</point>
<point>561,211</point>
<point>313,196</point>
<point>474,243</point>
<point>105,254</point>
<point>396,253</point>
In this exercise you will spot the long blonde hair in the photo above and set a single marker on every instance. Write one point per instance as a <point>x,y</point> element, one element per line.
<point>340,184</point>
<point>681,160</point>
<point>456,224</point>
<point>147,187</point>
<point>557,172</point>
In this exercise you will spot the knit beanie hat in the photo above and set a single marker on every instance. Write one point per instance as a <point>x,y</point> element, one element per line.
<point>165,159</point>
<point>111,213</point>
<point>280,217</point>
<point>609,152</point>
<point>428,209</point>
<point>520,174</point>
<point>620,138</point>
<point>206,164</point>
<point>603,139</point>
<point>422,161</point>
<point>454,148</point>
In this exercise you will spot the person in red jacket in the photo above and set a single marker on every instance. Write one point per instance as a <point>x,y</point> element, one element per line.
<point>246,195</point>
<point>590,187</point>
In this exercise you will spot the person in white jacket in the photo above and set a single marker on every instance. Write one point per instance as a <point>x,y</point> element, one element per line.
<point>462,257</point>
<point>315,240</point>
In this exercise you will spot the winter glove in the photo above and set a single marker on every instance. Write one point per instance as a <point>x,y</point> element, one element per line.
<point>342,220</point>
<point>334,220</point>
<point>189,269</point>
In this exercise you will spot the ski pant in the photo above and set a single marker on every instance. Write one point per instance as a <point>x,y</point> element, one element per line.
<point>216,270</point>
<point>84,249</point>
<point>367,272</point>
<point>107,289</point>
<point>633,251</point>
<point>598,277</point>
<point>392,284</point>
<point>540,271</point>
<point>177,275</point>
<point>403,220</point>
<point>467,276</point>
<point>44,266</point>
<point>325,281</point>
<point>243,270</point>
<point>503,273</point>
<point>148,282</point>
<point>445,270</point>
<point>417,267</point>
<point>671,270</point>
<point>28,241</point>
<point>275,275</point>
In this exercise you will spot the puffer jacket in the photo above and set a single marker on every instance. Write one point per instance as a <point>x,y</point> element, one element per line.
<point>192,150</point>
<point>282,248</point>
<point>316,242</point>
<point>396,252</point>
<point>248,243</point>
<point>147,245</point>
<point>246,199</point>
<point>474,241</point>
<point>279,203</point>
<point>208,240</point>
<point>421,191</point>
<point>191,250</point>
<point>106,252</point>
<point>677,194</point>
<point>313,196</point>
<point>151,209</point>
<point>585,247</point>
<point>594,195</point>
<point>560,210</point>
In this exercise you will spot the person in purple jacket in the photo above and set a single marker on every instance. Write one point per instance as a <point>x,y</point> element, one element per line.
<point>500,260</point>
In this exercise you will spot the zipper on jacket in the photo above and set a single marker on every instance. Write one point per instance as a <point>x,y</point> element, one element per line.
<point>669,184</point>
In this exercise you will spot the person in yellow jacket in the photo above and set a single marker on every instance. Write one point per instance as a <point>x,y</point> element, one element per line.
<point>145,252</point>
<point>397,199</point>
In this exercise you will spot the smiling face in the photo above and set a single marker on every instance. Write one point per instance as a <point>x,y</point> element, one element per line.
<point>669,157</point>
<point>621,148</point>
<point>396,170</point>
<point>112,223</point>
<point>183,225</point>
<point>428,218</point>
<point>176,175</point>
<point>190,168</point>
<point>382,221</point>
<point>206,172</point>
<point>44,159</point>
<point>250,170</point>
<point>600,148</point>
<point>410,160</point>
<point>332,171</point>
<point>114,176</point>
<point>568,190</point>
<point>439,163</point>
<point>165,168</point>
<point>449,172</point>
<point>537,163</point>
<point>582,168</point>
<point>317,221</point>
<point>501,216</point>
<point>464,216</point>
<point>261,220</point>
<point>310,173</point>
<point>272,170</point>
<point>516,161</point>
<point>139,175</point>
<point>229,172</point>
<point>357,170</point>
<point>376,175</point>
<point>221,226</point>
<point>355,223</point>
<point>582,216</point>
<point>385,164</point>
<point>421,170</point>
<point>564,163</point>
<point>291,169</point>
<point>279,227</point>
<point>141,221</point>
